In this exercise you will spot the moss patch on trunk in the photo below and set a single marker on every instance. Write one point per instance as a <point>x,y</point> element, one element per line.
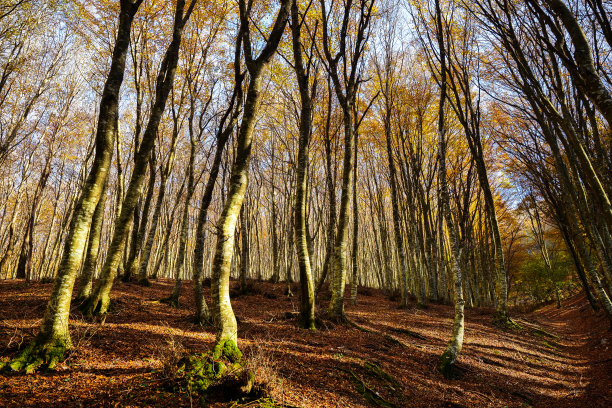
<point>41,353</point>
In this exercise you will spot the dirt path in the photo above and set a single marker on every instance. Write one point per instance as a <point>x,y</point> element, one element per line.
<point>120,363</point>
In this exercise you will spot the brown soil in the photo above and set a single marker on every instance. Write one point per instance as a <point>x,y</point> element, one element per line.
<point>119,363</point>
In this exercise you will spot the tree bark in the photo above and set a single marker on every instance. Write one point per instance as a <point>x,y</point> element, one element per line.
<point>53,338</point>
<point>224,318</point>
<point>100,299</point>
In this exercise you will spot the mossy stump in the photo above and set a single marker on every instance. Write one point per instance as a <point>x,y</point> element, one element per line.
<point>218,373</point>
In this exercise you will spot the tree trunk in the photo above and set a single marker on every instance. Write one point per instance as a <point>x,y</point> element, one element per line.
<point>336,305</point>
<point>53,339</point>
<point>100,299</point>
<point>307,296</point>
<point>224,318</point>
<point>450,355</point>
<point>93,248</point>
<point>173,299</point>
<point>202,312</point>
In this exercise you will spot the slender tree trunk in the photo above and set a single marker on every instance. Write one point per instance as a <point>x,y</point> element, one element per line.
<point>53,339</point>
<point>148,247</point>
<point>275,255</point>
<point>244,258</point>
<point>336,305</point>
<point>307,296</point>
<point>173,299</point>
<point>224,318</point>
<point>450,355</point>
<point>93,248</point>
<point>100,299</point>
<point>331,194</point>
<point>202,312</point>
<point>355,248</point>
<point>24,265</point>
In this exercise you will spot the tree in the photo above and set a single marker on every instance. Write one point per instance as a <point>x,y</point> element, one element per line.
<point>53,339</point>
<point>450,355</point>
<point>99,300</point>
<point>303,74</point>
<point>224,318</point>
<point>343,68</point>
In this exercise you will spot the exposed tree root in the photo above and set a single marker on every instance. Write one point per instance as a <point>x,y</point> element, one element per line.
<point>447,366</point>
<point>265,402</point>
<point>503,321</point>
<point>171,301</point>
<point>390,338</point>
<point>40,353</point>
<point>381,374</point>
<point>543,333</point>
<point>408,332</point>
<point>369,394</point>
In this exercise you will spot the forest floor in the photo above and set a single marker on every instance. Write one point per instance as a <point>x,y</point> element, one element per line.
<point>561,357</point>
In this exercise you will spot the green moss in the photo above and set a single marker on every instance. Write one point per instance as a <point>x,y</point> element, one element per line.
<point>219,367</point>
<point>207,369</point>
<point>368,393</point>
<point>445,366</point>
<point>378,372</point>
<point>231,351</point>
<point>45,353</point>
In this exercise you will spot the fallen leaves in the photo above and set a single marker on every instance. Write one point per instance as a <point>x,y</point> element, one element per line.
<point>121,362</point>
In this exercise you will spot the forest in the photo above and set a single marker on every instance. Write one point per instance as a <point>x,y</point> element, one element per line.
<point>305,203</point>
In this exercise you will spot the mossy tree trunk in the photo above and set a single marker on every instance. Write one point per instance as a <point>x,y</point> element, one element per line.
<point>450,355</point>
<point>100,299</point>
<point>53,338</point>
<point>224,318</point>
<point>202,312</point>
<point>343,68</point>
<point>307,296</point>
<point>93,247</point>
